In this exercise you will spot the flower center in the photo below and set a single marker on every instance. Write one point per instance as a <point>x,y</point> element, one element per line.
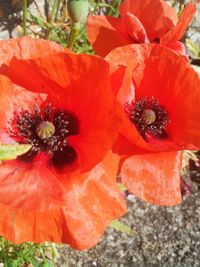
<point>149,117</point>
<point>47,130</point>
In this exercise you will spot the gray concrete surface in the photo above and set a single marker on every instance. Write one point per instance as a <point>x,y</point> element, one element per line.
<point>163,237</point>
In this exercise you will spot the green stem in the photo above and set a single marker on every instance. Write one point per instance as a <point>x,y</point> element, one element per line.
<point>24,17</point>
<point>73,34</point>
<point>181,7</point>
<point>54,10</point>
<point>57,10</point>
<point>174,3</point>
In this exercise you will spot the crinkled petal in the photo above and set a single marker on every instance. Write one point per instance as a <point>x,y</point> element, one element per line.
<point>80,84</point>
<point>176,86</point>
<point>166,76</point>
<point>30,186</point>
<point>117,76</point>
<point>135,28</point>
<point>123,146</point>
<point>26,48</point>
<point>178,48</point>
<point>156,16</point>
<point>130,57</point>
<point>92,202</point>
<point>13,98</point>
<point>154,177</point>
<point>106,33</point>
<point>129,54</point>
<point>177,32</point>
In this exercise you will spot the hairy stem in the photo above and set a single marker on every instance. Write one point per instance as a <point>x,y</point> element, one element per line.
<point>24,17</point>
<point>75,28</point>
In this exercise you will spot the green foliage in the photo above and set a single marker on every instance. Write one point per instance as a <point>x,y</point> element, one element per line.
<point>56,24</point>
<point>110,8</point>
<point>39,21</point>
<point>193,47</point>
<point>97,7</point>
<point>27,254</point>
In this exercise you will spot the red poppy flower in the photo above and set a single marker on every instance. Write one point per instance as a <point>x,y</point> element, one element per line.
<point>26,47</point>
<point>161,117</point>
<point>64,189</point>
<point>147,21</point>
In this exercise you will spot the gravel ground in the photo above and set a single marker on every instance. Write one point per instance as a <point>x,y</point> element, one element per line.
<point>163,236</point>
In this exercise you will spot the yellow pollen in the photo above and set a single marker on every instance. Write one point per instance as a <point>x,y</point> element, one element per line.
<point>148,116</point>
<point>45,130</point>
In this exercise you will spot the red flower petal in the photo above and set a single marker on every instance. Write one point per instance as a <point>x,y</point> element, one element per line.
<point>119,57</point>
<point>153,78</point>
<point>92,202</point>
<point>156,16</point>
<point>128,54</point>
<point>176,33</point>
<point>67,206</point>
<point>179,48</point>
<point>154,177</point>
<point>135,28</point>
<point>22,48</point>
<point>30,186</point>
<point>181,103</point>
<point>123,146</point>
<point>106,33</point>
<point>66,78</point>
<point>13,98</point>
<point>26,48</point>
<point>117,76</point>
<point>6,90</point>
<point>140,22</point>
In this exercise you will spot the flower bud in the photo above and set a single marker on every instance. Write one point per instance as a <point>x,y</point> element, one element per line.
<point>78,10</point>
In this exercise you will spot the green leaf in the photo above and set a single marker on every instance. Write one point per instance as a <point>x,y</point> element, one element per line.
<point>17,262</point>
<point>9,152</point>
<point>8,263</point>
<point>47,264</point>
<point>39,21</point>
<point>121,227</point>
<point>54,251</point>
<point>34,262</point>
<point>11,263</point>
<point>193,47</point>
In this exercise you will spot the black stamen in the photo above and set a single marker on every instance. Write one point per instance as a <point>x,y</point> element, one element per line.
<point>27,128</point>
<point>149,117</point>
